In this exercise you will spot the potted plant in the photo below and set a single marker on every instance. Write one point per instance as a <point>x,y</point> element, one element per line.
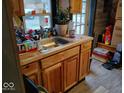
<point>62,19</point>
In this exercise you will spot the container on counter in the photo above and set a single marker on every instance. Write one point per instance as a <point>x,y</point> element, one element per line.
<point>71,33</point>
<point>27,46</point>
<point>21,48</point>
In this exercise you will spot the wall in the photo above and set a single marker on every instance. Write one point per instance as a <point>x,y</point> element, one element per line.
<point>104,10</point>
<point>100,21</point>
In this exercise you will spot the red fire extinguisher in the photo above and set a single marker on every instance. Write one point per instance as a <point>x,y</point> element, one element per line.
<point>107,35</point>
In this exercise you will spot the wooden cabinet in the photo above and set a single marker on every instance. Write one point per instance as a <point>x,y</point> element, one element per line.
<point>54,59</point>
<point>18,7</point>
<point>32,70</point>
<point>84,64</point>
<point>71,72</point>
<point>108,47</point>
<point>53,78</point>
<point>58,68</point>
<point>84,67</point>
<point>85,46</point>
<point>61,71</point>
<point>76,6</point>
<point>62,76</point>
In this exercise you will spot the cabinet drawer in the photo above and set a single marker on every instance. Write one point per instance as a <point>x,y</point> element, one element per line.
<point>86,45</point>
<point>30,68</point>
<point>59,57</point>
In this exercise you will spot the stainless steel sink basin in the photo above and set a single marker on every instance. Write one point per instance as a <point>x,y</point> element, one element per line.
<point>60,40</point>
<point>49,43</point>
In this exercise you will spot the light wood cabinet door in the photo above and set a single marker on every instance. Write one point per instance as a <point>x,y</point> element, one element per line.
<point>84,64</point>
<point>70,72</point>
<point>76,6</point>
<point>53,78</point>
<point>32,71</point>
<point>18,7</point>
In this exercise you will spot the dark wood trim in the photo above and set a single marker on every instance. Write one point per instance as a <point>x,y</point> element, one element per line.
<point>54,10</point>
<point>10,59</point>
<point>94,18</point>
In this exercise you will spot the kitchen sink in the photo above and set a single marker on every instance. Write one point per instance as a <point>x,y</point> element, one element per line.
<point>59,40</point>
<point>50,43</point>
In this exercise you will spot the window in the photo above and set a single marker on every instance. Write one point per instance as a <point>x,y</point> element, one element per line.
<point>37,5</point>
<point>41,18</point>
<point>34,22</point>
<point>79,19</point>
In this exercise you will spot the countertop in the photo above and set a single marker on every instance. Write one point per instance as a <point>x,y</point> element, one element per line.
<point>33,56</point>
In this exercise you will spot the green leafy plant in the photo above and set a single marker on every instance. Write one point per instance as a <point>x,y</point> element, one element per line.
<point>63,16</point>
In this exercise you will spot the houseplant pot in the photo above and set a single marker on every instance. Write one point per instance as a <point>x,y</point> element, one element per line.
<point>61,29</point>
<point>61,20</point>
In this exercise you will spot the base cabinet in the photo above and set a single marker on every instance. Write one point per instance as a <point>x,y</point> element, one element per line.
<point>34,77</point>
<point>84,64</point>
<point>71,72</point>
<point>62,76</point>
<point>53,78</point>
<point>61,71</point>
<point>32,71</point>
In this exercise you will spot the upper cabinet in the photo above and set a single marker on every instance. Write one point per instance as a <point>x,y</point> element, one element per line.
<point>18,7</point>
<point>76,6</point>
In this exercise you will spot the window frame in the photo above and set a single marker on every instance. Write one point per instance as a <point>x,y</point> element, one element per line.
<point>81,23</point>
<point>40,15</point>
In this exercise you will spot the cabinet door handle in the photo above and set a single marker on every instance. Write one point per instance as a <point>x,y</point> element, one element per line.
<point>26,67</point>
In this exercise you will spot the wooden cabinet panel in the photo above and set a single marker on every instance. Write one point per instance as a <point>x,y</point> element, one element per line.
<point>59,57</point>
<point>70,72</point>
<point>76,6</point>
<point>34,78</point>
<point>86,45</point>
<point>84,64</point>
<point>53,78</point>
<point>108,47</point>
<point>32,70</point>
<point>18,7</point>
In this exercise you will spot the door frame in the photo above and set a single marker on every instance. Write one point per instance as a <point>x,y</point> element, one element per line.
<point>92,14</point>
<point>10,59</point>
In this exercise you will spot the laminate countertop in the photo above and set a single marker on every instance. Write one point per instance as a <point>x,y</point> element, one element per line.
<point>33,56</point>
